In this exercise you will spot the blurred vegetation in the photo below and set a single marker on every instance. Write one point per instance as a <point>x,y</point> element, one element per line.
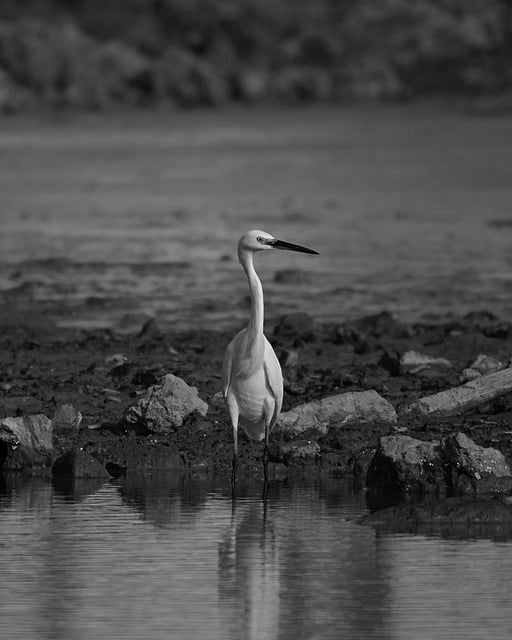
<point>95,54</point>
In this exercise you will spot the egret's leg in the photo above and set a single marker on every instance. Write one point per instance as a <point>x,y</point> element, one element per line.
<point>265,452</point>
<point>234,466</point>
<point>234,414</point>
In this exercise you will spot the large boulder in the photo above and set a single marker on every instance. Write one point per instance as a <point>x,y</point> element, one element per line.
<point>405,464</point>
<point>164,406</point>
<point>78,464</point>
<point>454,465</point>
<point>472,467</point>
<point>334,413</point>
<point>25,441</point>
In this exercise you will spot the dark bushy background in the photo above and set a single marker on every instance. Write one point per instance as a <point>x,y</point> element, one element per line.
<point>95,54</point>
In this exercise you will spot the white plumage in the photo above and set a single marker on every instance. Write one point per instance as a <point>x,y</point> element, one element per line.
<point>252,379</point>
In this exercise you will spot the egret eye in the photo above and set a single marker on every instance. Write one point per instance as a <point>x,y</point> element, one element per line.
<point>260,239</point>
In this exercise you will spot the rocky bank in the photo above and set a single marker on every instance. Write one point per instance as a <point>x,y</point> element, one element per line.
<point>77,403</point>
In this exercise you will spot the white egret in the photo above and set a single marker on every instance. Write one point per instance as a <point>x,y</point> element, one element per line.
<point>252,380</point>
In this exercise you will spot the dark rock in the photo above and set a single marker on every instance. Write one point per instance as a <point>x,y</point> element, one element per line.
<point>406,464</point>
<point>164,406</point>
<point>25,441</point>
<point>295,325</point>
<point>360,461</point>
<point>66,420</point>
<point>15,458</point>
<point>115,470</point>
<point>456,464</point>
<point>78,464</point>
<point>470,467</point>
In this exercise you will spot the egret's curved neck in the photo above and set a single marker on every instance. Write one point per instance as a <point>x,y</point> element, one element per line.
<point>255,326</point>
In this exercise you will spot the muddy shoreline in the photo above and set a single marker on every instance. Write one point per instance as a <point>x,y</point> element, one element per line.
<point>101,373</point>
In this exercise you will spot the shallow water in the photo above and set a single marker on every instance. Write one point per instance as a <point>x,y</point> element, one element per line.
<point>165,558</point>
<point>127,217</point>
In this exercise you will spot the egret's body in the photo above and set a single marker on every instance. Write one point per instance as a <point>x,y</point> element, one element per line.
<point>252,377</point>
<point>255,390</point>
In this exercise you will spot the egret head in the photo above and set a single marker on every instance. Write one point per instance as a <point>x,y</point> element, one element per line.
<point>257,240</point>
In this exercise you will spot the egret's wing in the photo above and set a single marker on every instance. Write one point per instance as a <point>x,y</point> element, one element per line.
<point>227,368</point>
<point>274,380</point>
<point>229,359</point>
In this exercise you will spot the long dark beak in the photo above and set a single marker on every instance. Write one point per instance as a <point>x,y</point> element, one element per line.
<point>289,246</point>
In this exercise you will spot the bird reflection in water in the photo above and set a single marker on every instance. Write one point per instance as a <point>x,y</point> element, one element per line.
<point>249,580</point>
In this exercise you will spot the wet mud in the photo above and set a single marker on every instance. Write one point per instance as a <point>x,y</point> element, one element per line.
<point>102,373</point>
